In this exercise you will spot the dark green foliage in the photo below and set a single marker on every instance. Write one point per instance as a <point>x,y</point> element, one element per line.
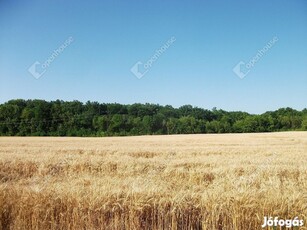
<point>60,118</point>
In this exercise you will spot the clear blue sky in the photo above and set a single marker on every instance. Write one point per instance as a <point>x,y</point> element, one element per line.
<point>109,37</point>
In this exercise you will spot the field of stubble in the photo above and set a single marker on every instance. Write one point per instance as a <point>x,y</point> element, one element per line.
<point>215,181</point>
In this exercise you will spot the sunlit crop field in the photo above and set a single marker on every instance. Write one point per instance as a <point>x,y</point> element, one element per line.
<point>210,181</point>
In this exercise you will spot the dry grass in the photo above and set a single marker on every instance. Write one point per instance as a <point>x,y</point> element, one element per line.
<point>227,181</point>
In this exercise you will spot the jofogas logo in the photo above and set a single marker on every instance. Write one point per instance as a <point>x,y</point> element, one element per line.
<point>288,223</point>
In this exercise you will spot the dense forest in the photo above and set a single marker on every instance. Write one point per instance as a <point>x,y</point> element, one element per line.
<point>61,118</point>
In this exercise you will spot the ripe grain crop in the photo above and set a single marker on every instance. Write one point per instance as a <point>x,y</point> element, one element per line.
<point>210,181</point>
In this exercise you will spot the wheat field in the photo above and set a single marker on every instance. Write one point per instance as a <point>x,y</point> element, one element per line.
<point>209,181</point>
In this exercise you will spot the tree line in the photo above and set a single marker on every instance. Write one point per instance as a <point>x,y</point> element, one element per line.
<point>61,118</point>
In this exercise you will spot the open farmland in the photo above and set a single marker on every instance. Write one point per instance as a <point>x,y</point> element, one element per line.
<point>210,181</point>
